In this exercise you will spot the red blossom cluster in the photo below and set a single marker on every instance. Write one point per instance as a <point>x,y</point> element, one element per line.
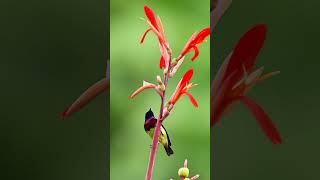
<point>169,64</point>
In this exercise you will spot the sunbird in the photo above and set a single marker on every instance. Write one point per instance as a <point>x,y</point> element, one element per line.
<point>150,125</point>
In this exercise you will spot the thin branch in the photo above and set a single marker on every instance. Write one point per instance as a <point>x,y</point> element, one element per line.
<point>161,118</point>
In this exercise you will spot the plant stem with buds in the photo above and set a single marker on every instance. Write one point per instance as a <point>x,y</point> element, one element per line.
<point>157,131</point>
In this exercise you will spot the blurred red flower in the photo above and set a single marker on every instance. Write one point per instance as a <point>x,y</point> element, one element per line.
<point>236,77</point>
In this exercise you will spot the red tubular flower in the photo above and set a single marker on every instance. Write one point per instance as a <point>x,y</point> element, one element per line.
<point>195,40</point>
<point>235,78</point>
<point>155,25</point>
<point>183,88</point>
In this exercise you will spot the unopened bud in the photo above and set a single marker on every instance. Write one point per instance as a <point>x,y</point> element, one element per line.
<point>159,80</point>
<point>195,177</point>
<point>174,62</point>
<point>162,87</point>
<point>183,172</point>
<point>169,50</point>
<point>165,71</point>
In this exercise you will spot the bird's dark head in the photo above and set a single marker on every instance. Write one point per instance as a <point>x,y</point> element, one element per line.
<point>149,115</point>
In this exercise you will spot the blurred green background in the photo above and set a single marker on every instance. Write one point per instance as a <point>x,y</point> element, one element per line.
<point>240,150</point>
<point>50,52</point>
<point>131,63</point>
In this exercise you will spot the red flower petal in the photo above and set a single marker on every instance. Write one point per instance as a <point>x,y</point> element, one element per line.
<point>164,56</point>
<point>156,32</point>
<point>183,82</point>
<point>191,98</point>
<point>218,79</point>
<point>186,78</point>
<point>202,35</point>
<point>247,50</point>
<point>144,35</point>
<point>263,119</point>
<point>219,101</point>
<point>193,42</point>
<point>186,47</point>
<point>196,53</point>
<point>162,63</point>
<point>150,15</point>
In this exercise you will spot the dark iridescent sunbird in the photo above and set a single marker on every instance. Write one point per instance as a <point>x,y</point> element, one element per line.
<point>149,126</point>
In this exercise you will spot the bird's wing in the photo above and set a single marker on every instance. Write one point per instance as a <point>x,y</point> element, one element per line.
<point>169,142</point>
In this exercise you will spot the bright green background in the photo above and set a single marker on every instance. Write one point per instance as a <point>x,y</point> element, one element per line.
<point>240,150</point>
<point>130,64</point>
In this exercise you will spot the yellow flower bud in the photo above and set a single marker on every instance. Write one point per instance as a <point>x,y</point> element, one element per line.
<point>183,172</point>
<point>159,80</point>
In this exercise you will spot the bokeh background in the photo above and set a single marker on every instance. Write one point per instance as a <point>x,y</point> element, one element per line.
<point>240,150</point>
<point>131,63</point>
<point>50,52</point>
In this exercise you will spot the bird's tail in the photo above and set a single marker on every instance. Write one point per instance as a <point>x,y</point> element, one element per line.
<point>168,150</point>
